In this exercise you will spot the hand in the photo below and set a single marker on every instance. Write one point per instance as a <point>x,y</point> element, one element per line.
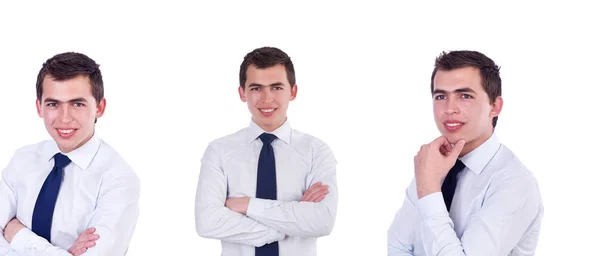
<point>432,164</point>
<point>12,228</point>
<point>315,193</point>
<point>86,239</point>
<point>238,204</point>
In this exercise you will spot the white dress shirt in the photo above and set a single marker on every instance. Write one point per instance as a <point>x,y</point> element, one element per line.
<point>496,211</point>
<point>99,190</point>
<point>229,169</point>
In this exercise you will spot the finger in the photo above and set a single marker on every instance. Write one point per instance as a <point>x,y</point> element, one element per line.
<point>89,231</point>
<point>78,247</point>
<point>89,237</point>
<point>447,146</point>
<point>312,189</point>
<point>444,151</point>
<point>90,244</point>
<point>320,198</point>
<point>314,185</point>
<point>438,142</point>
<point>458,147</point>
<point>312,196</point>
<point>323,190</point>
<point>80,251</point>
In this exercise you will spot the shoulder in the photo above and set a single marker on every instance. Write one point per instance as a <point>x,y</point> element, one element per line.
<point>304,142</point>
<point>230,140</point>
<point>511,173</point>
<point>26,156</point>
<point>112,164</point>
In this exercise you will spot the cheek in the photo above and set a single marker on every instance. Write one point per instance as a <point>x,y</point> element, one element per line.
<point>49,115</point>
<point>252,99</point>
<point>438,111</point>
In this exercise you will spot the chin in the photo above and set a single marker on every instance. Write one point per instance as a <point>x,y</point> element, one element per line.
<point>453,138</point>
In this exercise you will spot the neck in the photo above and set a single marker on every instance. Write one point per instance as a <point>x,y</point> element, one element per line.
<point>472,145</point>
<point>270,128</point>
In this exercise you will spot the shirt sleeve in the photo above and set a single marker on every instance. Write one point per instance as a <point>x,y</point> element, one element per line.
<point>214,220</point>
<point>8,205</point>
<point>401,233</point>
<point>303,219</point>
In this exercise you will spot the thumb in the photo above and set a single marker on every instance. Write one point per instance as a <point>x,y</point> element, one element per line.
<point>458,147</point>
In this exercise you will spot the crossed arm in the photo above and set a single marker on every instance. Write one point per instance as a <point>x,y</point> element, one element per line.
<point>255,222</point>
<point>112,222</point>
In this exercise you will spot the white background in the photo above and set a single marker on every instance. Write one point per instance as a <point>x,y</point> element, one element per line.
<point>363,70</point>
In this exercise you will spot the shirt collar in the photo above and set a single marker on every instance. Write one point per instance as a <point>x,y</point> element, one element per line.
<point>478,159</point>
<point>284,132</point>
<point>82,156</point>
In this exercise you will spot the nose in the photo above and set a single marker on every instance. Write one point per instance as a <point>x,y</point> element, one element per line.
<point>452,106</point>
<point>266,96</point>
<point>65,113</point>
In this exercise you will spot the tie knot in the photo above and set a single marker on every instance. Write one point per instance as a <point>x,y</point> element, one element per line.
<point>458,166</point>
<point>267,138</point>
<point>60,160</point>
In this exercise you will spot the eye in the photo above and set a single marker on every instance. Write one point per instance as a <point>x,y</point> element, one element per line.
<point>78,104</point>
<point>51,104</point>
<point>467,96</point>
<point>440,97</point>
<point>278,88</point>
<point>255,88</point>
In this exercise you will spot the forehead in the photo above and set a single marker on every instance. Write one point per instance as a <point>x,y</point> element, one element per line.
<point>266,76</point>
<point>75,87</point>
<point>450,80</point>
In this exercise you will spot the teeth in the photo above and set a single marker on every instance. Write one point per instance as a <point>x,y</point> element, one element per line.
<point>66,131</point>
<point>454,124</point>
<point>268,110</point>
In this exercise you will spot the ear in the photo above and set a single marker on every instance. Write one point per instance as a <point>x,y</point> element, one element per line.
<point>294,92</point>
<point>39,107</point>
<point>496,107</point>
<point>100,107</point>
<point>242,95</point>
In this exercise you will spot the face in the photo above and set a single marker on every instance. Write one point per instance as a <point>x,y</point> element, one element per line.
<point>69,111</point>
<point>267,93</point>
<point>462,108</point>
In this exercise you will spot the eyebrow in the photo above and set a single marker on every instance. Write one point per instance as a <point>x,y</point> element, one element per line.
<point>51,100</point>
<point>260,85</point>
<point>460,90</point>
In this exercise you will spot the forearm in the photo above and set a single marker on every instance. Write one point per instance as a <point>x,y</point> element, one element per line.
<point>27,243</point>
<point>218,222</point>
<point>302,219</point>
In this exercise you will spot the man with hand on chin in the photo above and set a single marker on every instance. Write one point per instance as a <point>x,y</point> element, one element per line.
<point>267,189</point>
<point>471,195</point>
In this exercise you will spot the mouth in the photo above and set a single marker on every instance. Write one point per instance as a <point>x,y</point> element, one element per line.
<point>453,126</point>
<point>267,111</point>
<point>65,133</point>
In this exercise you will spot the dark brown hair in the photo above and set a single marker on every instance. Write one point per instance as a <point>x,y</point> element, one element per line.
<point>266,57</point>
<point>65,66</point>
<point>488,70</point>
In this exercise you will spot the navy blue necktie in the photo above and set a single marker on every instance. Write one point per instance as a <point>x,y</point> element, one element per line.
<point>266,185</point>
<point>41,222</point>
<point>449,185</point>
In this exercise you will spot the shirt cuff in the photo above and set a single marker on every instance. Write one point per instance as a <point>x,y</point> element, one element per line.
<point>276,235</point>
<point>258,206</point>
<point>432,205</point>
<point>20,241</point>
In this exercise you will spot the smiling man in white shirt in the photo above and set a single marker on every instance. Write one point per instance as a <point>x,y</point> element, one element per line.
<point>267,189</point>
<point>471,195</point>
<point>74,194</point>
